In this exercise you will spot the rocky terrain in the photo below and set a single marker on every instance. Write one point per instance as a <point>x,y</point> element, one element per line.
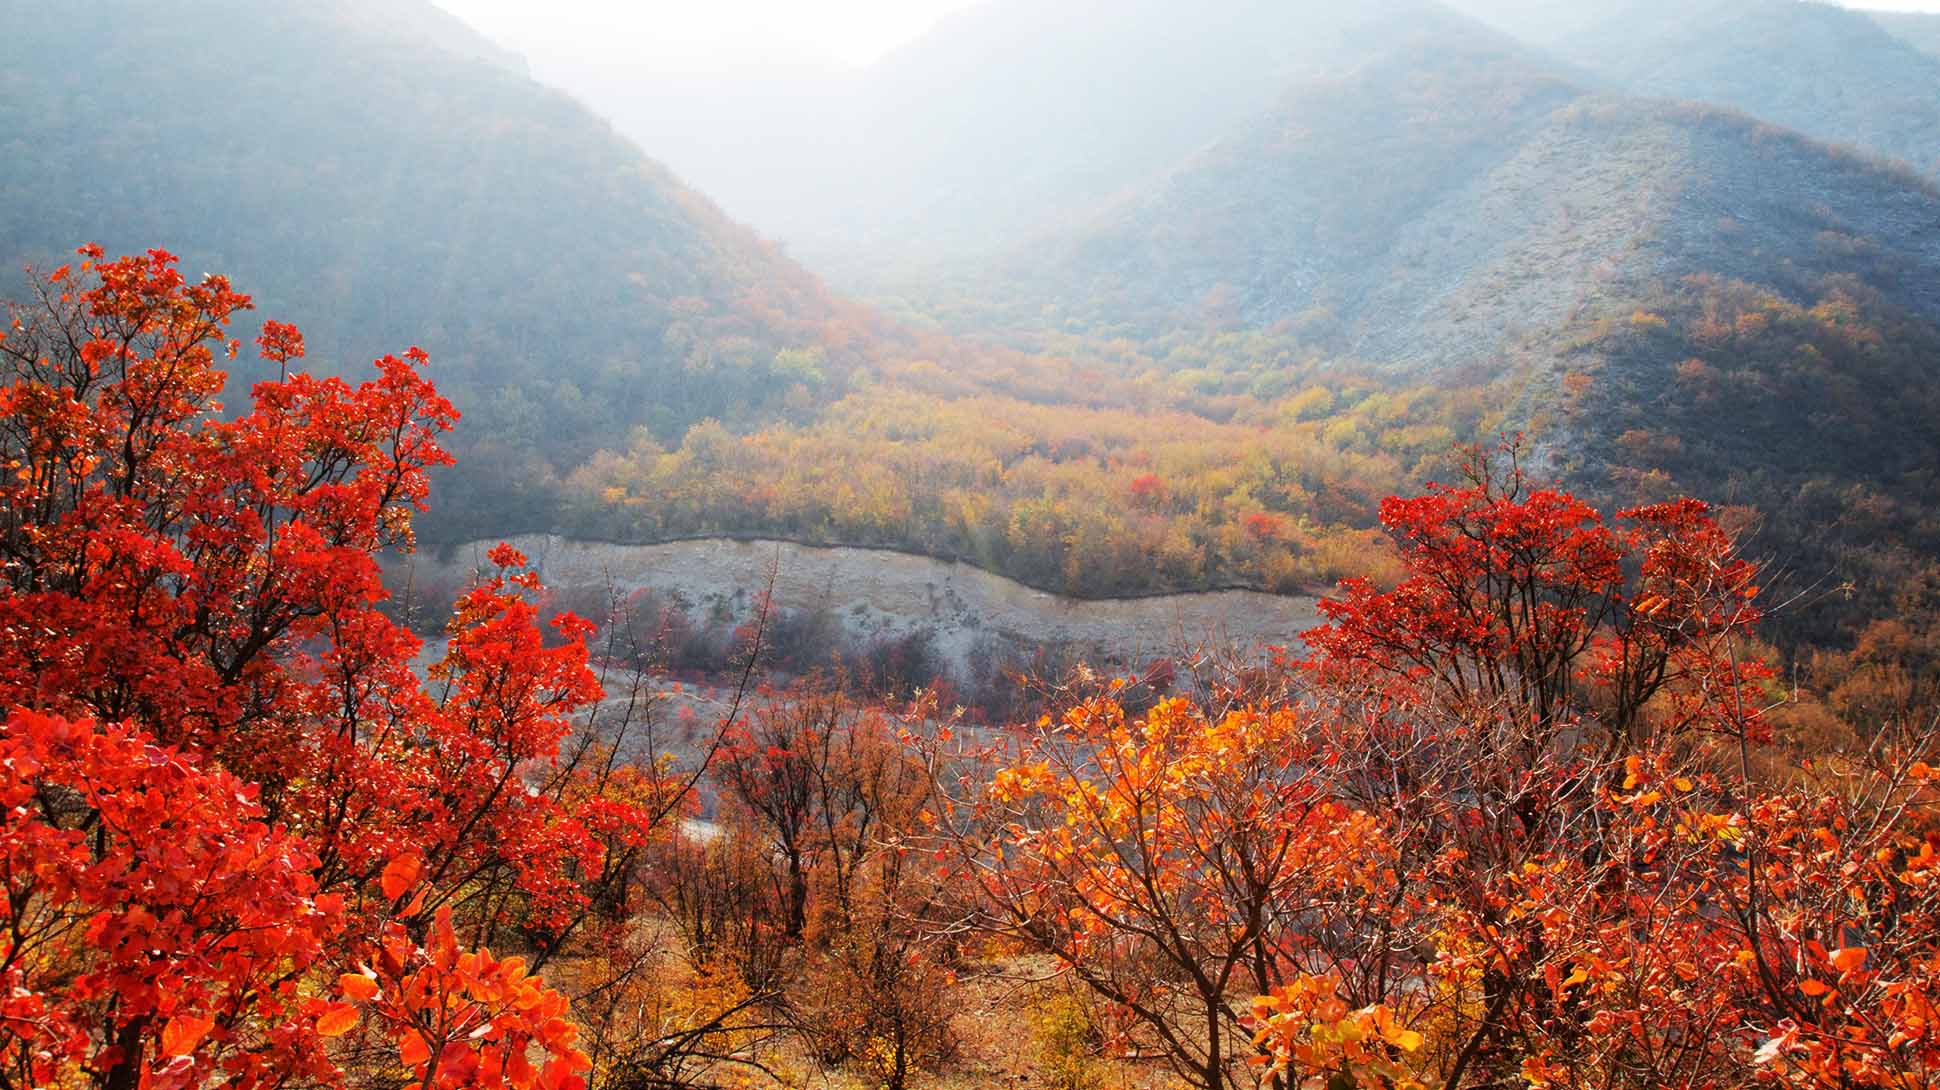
<point>876,593</point>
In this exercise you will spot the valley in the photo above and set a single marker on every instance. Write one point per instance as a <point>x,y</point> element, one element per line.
<point>1230,545</point>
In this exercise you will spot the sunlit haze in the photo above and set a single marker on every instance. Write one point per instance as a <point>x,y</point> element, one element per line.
<point>723,36</point>
<point>735,35</point>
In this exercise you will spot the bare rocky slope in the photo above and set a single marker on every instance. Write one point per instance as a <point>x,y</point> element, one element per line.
<point>876,593</point>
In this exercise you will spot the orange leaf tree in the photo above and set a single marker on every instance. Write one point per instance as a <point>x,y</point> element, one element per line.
<point>1176,863</point>
<point>1599,884</point>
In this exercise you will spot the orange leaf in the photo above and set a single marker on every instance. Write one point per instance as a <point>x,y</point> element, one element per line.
<point>356,986</point>
<point>1848,959</point>
<point>401,874</point>
<point>411,1048</point>
<point>183,1033</point>
<point>1813,987</point>
<point>337,1020</point>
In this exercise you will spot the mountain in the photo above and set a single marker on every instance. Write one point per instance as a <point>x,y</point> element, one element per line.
<point>1446,204</point>
<point>425,26</point>
<point>379,174</point>
<point>1830,72</point>
<point>1200,285</point>
<point>1669,296</point>
<point>1014,115</point>
<point>1014,119</point>
<point>1005,120</point>
<point>1919,29</point>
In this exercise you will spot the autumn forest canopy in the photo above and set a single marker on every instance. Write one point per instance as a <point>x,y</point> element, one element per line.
<point>1570,367</point>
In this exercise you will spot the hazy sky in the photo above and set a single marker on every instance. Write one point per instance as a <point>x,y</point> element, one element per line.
<point>720,36</point>
<point>703,35</point>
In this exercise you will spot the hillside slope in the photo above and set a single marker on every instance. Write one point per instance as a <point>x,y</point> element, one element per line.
<point>1673,297</point>
<point>629,363</point>
<point>1444,207</point>
<point>384,190</point>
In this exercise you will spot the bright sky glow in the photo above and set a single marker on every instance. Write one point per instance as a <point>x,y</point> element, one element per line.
<point>733,37</point>
<point>702,36</point>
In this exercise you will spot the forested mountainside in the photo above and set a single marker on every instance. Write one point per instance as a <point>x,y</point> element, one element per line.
<point>258,835</point>
<point>1454,205</point>
<point>1211,381</point>
<point>362,171</point>
<point>1828,71</point>
<point>628,362</point>
<point>1673,296</point>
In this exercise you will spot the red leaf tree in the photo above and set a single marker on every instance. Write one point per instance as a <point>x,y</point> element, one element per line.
<point>1524,821</point>
<point>226,787</point>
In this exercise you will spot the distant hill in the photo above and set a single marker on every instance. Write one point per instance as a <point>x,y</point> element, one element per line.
<point>424,25</point>
<point>1007,119</point>
<point>377,173</point>
<point>1830,72</point>
<point>1458,213</point>
<point>1919,29</point>
<point>1014,118</point>
<point>1015,115</point>
<point>1448,204</point>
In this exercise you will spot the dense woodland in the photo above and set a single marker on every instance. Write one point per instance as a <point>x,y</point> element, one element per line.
<point>1580,358</point>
